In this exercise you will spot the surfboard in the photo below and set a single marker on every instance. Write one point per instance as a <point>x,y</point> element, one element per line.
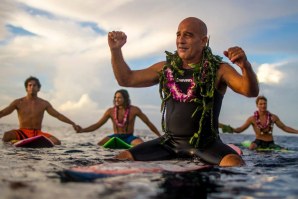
<point>237,149</point>
<point>247,143</point>
<point>116,143</point>
<point>116,168</point>
<point>39,141</point>
<point>113,169</point>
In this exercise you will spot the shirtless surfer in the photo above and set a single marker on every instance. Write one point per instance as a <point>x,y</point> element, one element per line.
<point>262,122</point>
<point>30,111</point>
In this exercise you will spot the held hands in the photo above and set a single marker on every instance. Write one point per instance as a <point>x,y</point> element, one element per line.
<point>227,129</point>
<point>77,128</point>
<point>236,55</point>
<point>116,39</point>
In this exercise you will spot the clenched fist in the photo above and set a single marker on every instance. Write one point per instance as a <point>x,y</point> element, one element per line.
<point>116,39</point>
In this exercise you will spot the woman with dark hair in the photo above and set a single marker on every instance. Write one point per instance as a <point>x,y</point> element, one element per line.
<point>123,116</point>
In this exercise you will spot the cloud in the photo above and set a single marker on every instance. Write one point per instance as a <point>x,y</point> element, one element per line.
<point>83,102</point>
<point>269,74</point>
<point>7,10</point>
<point>68,50</point>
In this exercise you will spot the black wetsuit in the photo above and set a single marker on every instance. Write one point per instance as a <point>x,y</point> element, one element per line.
<point>180,127</point>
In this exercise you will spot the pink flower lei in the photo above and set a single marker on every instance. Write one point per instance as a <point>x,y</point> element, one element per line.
<point>123,123</point>
<point>268,121</point>
<point>175,90</point>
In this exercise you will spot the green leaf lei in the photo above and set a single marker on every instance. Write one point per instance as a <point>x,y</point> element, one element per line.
<point>204,76</point>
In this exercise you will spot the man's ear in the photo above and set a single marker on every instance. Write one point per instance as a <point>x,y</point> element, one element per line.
<point>205,40</point>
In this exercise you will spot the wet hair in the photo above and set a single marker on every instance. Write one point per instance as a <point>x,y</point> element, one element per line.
<point>125,96</point>
<point>31,78</point>
<point>261,97</point>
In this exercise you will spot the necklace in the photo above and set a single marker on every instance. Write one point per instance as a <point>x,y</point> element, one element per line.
<point>123,123</point>
<point>175,90</point>
<point>267,124</point>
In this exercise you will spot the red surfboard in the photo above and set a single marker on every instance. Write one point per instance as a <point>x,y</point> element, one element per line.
<point>112,169</point>
<point>39,141</point>
<point>116,168</point>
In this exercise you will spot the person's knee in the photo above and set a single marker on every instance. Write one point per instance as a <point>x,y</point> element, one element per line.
<point>231,160</point>
<point>252,146</point>
<point>5,137</point>
<point>136,142</point>
<point>8,136</point>
<point>103,141</point>
<point>55,140</point>
<point>124,155</point>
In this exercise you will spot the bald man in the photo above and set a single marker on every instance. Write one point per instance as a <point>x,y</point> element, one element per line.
<point>192,83</point>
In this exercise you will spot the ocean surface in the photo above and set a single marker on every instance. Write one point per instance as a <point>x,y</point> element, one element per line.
<point>34,173</point>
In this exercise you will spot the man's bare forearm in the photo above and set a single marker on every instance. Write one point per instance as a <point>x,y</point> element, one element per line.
<point>121,70</point>
<point>250,81</point>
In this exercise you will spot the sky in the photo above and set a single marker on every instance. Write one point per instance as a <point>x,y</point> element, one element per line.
<point>64,44</point>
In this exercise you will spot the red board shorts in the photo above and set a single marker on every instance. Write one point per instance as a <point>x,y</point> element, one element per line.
<point>28,133</point>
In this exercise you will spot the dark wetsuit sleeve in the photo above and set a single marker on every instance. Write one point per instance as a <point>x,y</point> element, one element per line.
<point>151,151</point>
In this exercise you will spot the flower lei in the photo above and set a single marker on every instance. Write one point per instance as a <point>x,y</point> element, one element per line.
<point>123,123</point>
<point>268,122</point>
<point>175,90</point>
<point>204,75</point>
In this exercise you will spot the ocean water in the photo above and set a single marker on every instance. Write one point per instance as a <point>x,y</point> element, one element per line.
<point>34,173</point>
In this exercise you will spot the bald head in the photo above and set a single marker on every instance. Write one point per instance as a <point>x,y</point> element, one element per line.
<point>197,24</point>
